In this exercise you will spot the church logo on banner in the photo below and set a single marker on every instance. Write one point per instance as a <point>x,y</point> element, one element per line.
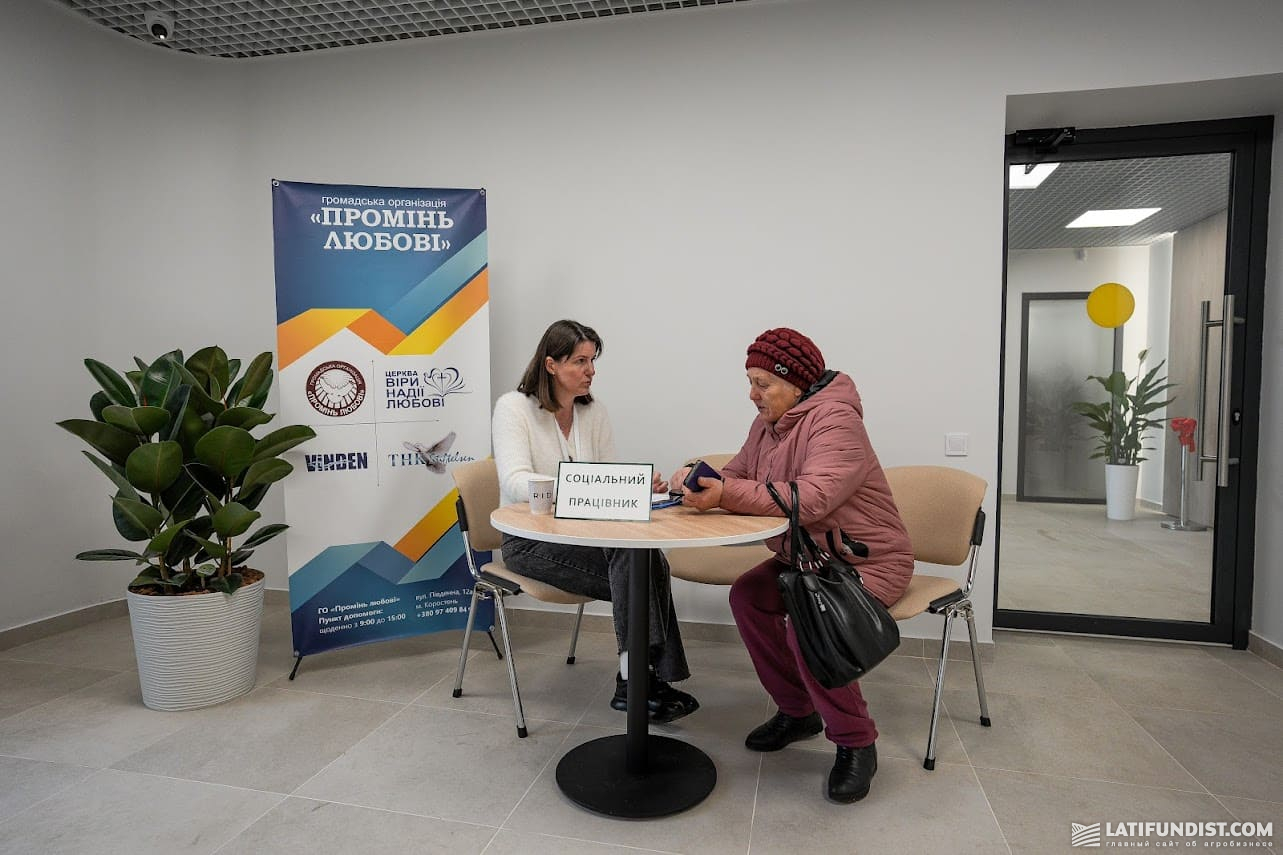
<point>382,312</point>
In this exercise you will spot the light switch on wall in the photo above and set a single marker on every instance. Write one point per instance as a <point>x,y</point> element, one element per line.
<point>955,445</point>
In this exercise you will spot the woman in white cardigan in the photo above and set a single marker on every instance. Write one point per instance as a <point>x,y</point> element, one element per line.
<point>552,417</point>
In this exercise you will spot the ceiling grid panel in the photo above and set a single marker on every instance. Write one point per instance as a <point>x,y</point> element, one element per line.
<point>249,28</point>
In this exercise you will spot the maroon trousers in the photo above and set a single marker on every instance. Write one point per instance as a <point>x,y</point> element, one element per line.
<point>759,616</point>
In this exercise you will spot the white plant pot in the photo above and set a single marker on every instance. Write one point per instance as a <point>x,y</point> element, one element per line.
<point>196,650</point>
<point>1120,491</point>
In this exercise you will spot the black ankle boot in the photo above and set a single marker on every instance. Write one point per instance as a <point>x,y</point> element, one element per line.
<point>663,703</point>
<point>852,773</point>
<point>673,703</point>
<point>781,730</point>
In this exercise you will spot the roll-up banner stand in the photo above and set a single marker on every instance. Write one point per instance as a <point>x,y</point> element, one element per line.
<point>382,313</point>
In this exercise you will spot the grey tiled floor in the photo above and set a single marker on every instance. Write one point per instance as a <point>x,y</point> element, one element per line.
<point>1071,558</point>
<point>367,751</point>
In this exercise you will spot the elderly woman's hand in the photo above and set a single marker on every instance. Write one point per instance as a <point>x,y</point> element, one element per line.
<point>708,498</point>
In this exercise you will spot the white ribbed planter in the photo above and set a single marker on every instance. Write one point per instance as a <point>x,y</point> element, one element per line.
<point>1120,491</point>
<point>197,650</point>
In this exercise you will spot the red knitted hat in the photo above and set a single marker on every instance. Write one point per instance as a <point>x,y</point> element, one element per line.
<point>787,354</point>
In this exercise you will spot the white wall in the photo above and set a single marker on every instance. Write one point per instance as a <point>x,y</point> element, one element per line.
<point>47,271</point>
<point>119,237</point>
<point>1035,271</point>
<point>761,164</point>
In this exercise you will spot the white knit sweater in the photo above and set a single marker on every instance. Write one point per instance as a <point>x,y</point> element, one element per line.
<point>525,441</point>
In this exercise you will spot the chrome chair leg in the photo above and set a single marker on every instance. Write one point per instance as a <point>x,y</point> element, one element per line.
<point>930,762</point>
<point>574,636</point>
<point>512,670</point>
<point>975,661</point>
<point>467,638</point>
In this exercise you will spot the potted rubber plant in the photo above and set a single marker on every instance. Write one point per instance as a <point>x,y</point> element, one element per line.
<point>1121,423</point>
<point>174,437</point>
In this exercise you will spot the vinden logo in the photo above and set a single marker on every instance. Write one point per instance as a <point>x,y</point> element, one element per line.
<point>340,462</point>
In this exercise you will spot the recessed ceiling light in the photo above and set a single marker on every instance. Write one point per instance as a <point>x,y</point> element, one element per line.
<point>1112,217</point>
<point>1018,179</point>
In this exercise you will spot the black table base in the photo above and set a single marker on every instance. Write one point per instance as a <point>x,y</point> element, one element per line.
<point>638,775</point>
<point>678,776</point>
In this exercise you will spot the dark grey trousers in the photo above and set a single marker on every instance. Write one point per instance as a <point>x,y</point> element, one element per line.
<point>602,573</point>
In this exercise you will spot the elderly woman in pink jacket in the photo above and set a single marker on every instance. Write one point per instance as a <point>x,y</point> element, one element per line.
<point>809,429</point>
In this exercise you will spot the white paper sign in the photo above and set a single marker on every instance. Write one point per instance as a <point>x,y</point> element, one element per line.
<point>603,491</point>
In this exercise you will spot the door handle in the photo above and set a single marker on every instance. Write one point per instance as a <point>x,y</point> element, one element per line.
<point>1224,409</point>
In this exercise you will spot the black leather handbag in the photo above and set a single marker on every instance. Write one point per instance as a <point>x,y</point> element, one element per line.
<point>842,630</point>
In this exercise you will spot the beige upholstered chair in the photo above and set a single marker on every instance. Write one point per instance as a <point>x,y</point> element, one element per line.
<point>478,484</point>
<point>941,510</point>
<point>715,565</point>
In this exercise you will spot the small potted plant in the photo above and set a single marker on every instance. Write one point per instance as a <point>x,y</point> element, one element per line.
<point>1121,423</point>
<point>174,437</point>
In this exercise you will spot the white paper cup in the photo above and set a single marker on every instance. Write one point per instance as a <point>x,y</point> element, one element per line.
<point>541,494</point>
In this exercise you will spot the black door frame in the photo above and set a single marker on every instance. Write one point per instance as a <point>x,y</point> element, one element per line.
<point>1250,140</point>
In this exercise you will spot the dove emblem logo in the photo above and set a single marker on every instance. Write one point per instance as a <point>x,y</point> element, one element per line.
<point>335,388</point>
<point>435,456</point>
<point>443,381</point>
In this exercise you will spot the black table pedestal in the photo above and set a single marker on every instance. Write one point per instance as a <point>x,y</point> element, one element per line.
<point>679,776</point>
<point>638,775</point>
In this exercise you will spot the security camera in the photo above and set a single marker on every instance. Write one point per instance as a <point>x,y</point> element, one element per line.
<point>160,25</point>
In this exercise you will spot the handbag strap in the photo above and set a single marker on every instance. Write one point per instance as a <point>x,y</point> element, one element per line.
<point>770,488</point>
<point>791,512</point>
<point>813,552</point>
<point>802,546</point>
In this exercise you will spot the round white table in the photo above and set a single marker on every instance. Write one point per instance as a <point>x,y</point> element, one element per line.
<point>638,775</point>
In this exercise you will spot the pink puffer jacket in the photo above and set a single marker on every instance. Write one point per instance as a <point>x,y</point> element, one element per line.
<point>822,445</point>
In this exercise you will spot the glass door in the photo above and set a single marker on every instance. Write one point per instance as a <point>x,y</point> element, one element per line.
<point>1174,215</point>
<point>1060,348</point>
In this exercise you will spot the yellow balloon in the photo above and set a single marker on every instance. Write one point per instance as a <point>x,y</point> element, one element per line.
<point>1110,305</point>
